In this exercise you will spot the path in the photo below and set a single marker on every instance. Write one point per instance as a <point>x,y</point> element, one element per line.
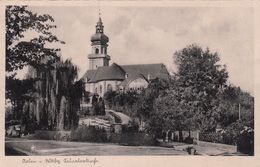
<point>51,147</point>
<point>124,118</point>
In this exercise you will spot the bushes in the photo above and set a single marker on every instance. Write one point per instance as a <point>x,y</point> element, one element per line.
<point>235,134</point>
<point>45,135</point>
<point>52,135</point>
<point>133,139</point>
<point>92,134</point>
<point>242,136</point>
<point>130,128</point>
<point>245,143</point>
<point>89,134</point>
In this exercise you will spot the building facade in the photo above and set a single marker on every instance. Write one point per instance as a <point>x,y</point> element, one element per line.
<point>102,77</point>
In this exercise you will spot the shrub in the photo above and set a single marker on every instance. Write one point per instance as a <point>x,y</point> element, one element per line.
<point>188,140</point>
<point>240,135</point>
<point>44,135</point>
<point>130,128</point>
<point>133,139</point>
<point>229,137</point>
<point>89,134</point>
<point>231,133</point>
<point>52,135</point>
<point>245,143</point>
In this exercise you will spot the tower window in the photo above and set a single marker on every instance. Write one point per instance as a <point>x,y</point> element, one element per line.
<point>97,51</point>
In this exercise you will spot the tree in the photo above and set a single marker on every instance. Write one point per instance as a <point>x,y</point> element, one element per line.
<point>140,106</point>
<point>101,106</point>
<point>21,53</point>
<point>236,104</point>
<point>17,91</point>
<point>200,81</point>
<point>144,109</point>
<point>165,110</point>
<point>109,97</point>
<point>57,99</point>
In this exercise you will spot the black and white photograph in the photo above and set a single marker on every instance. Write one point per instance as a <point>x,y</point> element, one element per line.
<point>122,79</point>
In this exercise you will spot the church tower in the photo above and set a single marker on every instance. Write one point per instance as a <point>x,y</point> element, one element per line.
<point>99,40</point>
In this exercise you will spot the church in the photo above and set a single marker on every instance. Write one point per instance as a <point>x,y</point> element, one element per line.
<point>102,77</point>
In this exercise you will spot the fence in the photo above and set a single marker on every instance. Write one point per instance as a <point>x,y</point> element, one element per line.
<point>211,137</point>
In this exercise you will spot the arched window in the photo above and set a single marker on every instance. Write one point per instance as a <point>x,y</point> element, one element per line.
<point>97,50</point>
<point>109,87</point>
<point>100,88</point>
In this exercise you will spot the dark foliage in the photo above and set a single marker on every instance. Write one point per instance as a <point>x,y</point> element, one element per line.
<point>245,143</point>
<point>22,53</point>
<point>58,96</point>
<point>89,134</point>
<point>133,139</point>
<point>52,135</point>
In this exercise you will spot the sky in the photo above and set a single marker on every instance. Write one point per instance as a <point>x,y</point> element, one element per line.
<point>143,35</point>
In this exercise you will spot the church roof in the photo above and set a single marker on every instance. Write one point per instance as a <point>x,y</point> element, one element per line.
<point>113,72</point>
<point>88,74</point>
<point>116,72</point>
<point>153,70</point>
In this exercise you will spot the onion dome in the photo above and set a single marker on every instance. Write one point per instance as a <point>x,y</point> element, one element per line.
<point>99,37</point>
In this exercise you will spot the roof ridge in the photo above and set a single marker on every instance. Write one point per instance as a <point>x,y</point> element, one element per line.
<point>143,64</point>
<point>119,67</point>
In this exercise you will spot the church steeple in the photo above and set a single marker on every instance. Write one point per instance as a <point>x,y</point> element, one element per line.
<point>99,26</point>
<point>99,41</point>
<point>99,37</point>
